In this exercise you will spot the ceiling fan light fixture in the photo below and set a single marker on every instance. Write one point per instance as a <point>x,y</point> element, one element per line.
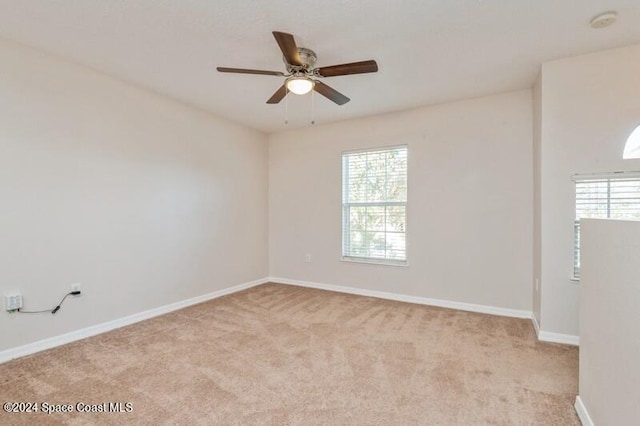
<point>299,85</point>
<point>301,72</point>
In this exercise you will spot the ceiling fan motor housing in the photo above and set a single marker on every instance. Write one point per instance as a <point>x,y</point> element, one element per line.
<point>308,59</point>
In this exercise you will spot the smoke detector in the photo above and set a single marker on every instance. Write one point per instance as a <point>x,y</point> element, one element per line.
<point>603,20</point>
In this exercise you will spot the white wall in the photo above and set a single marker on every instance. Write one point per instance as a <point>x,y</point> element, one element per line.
<point>133,194</point>
<point>470,206</point>
<point>143,200</point>
<point>609,318</point>
<point>590,105</point>
<point>537,206</point>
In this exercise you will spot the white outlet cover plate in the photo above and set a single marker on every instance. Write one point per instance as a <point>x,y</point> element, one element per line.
<point>13,302</point>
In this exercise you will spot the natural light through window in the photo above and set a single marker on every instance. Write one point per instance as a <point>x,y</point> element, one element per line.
<point>374,205</point>
<point>614,196</point>
<point>632,148</point>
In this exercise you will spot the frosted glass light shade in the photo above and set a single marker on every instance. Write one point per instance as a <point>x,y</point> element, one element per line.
<point>299,85</point>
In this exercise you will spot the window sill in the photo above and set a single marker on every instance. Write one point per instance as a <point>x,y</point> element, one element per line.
<point>401,264</point>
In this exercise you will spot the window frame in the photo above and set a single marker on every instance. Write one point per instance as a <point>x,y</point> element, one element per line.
<point>632,145</point>
<point>346,223</point>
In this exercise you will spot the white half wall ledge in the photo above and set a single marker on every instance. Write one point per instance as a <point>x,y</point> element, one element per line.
<point>462,306</point>
<point>83,333</point>
<point>583,414</point>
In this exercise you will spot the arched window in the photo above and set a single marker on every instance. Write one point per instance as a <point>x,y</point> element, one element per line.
<point>632,148</point>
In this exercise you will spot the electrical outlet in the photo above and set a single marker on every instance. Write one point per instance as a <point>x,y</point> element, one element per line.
<point>307,257</point>
<point>13,302</point>
<point>76,287</point>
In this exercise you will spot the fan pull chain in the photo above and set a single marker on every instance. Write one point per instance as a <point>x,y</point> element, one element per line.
<point>313,110</point>
<point>286,108</point>
<point>313,121</point>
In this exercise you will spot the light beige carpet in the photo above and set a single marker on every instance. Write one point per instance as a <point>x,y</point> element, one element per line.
<point>279,355</point>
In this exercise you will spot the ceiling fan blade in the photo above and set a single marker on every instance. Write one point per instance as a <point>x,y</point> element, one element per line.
<point>278,96</point>
<point>246,71</point>
<point>288,46</point>
<point>345,69</point>
<point>330,93</point>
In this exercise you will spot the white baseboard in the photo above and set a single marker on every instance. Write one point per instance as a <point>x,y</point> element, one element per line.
<point>567,339</point>
<point>544,336</point>
<point>536,326</point>
<point>492,310</point>
<point>63,339</point>
<point>583,414</point>
<point>547,336</point>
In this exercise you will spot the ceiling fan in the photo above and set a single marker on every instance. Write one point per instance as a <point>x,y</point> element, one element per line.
<point>302,75</point>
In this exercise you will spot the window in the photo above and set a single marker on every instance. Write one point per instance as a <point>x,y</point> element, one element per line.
<point>612,196</point>
<point>632,147</point>
<point>374,205</point>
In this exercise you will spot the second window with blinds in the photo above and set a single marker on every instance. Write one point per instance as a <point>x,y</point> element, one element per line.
<point>604,196</point>
<point>374,205</point>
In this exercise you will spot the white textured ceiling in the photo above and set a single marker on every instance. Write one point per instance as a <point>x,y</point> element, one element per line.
<point>428,51</point>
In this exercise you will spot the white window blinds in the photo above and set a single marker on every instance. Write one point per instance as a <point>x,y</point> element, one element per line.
<point>374,205</point>
<point>611,196</point>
